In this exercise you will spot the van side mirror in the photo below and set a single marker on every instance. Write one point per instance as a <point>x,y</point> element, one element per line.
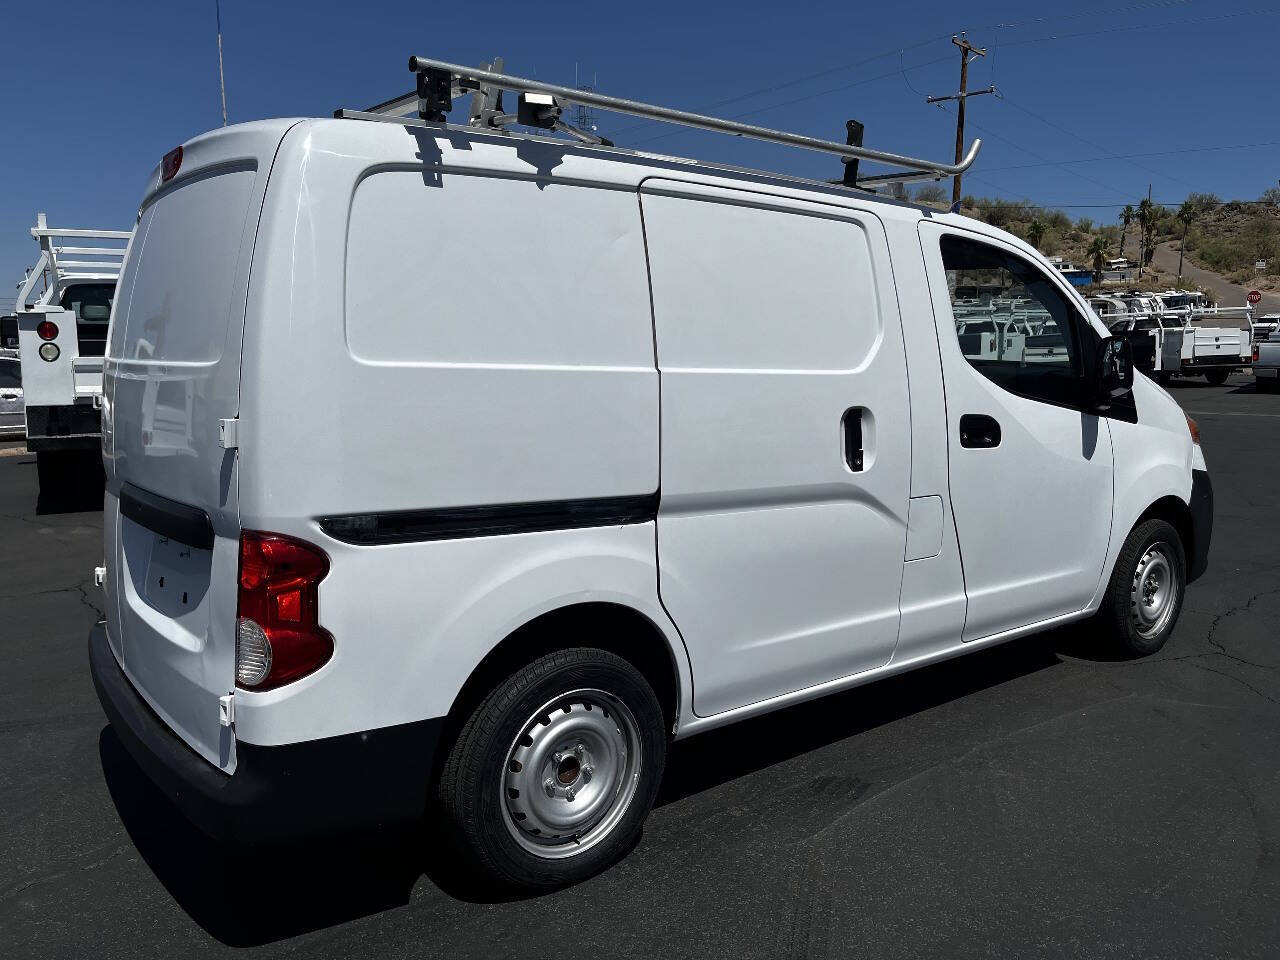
<point>1113,371</point>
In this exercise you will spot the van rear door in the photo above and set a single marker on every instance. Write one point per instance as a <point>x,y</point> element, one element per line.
<point>172,376</point>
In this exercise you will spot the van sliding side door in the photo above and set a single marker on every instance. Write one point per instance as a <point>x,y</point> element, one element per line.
<point>785,438</point>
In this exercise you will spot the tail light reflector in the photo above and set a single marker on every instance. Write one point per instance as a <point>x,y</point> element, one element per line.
<point>278,634</point>
<point>46,329</point>
<point>1255,353</point>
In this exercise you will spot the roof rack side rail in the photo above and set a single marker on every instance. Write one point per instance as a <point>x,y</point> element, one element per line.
<point>441,81</point>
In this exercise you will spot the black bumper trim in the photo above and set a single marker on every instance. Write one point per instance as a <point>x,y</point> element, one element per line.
<point>1201,507</point>
<point>282,793</point>
<point>63,427</point>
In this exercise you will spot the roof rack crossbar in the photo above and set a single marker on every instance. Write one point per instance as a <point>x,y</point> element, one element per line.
<point>463,79</point>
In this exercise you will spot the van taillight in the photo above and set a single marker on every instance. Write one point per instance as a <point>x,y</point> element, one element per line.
<point>46,329</point>
<point>278,634</point>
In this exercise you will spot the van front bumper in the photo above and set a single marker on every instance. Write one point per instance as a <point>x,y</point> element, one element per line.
<point>279,793</point>
<point>1201,507</point>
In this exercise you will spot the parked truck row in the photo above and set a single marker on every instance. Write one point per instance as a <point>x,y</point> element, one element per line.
<point>1178,333</point>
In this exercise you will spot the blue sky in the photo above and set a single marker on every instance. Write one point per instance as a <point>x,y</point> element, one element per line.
<point>1097,100</point>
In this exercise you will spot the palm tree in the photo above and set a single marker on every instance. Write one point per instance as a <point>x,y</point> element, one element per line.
<point>1147,225</point>
<point>1035,232</point>
<point>1126,218</point>
<point>1098,250</point>
<point>1187,213</point>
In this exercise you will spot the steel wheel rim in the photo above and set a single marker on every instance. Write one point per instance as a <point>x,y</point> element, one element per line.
<point>1154,591</point>
<point>570,774</point>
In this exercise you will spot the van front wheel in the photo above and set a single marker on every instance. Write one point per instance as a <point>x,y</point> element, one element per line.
<point>1144,597</point>
<point>552,776</point>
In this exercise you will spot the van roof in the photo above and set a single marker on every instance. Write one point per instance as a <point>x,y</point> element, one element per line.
<point>455,145</point>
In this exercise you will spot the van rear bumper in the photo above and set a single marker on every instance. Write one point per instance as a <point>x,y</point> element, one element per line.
<point>276,793</point>
<point>1201,507</point>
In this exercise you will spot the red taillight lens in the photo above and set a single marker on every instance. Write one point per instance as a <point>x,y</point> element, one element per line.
<point>46,329</point>
<point>278,634</point>
<point>170,165</point>
<point>1255,353</point>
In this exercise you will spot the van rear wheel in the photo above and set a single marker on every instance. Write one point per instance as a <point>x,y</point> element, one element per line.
<point>1217,377</point>
<point>1145,594</point>
<point>551,777</point>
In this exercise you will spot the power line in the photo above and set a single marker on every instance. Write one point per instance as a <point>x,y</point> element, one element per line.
<point>812,96</point>
<point>1111,11</point>
<point>1087,142</point>
<point>1130,156</point>
<point>1264,11</point>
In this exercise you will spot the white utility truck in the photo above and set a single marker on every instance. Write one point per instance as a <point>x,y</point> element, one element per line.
<point>1180,343</point>
<point>493,462</point>
<point>62,335</point>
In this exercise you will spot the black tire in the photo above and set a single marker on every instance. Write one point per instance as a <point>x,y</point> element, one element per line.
<point>475,786</point>
<point>1120,613</point>
<point>1265,384</point>
<point>1217,378</point>
<point>1164,377</point>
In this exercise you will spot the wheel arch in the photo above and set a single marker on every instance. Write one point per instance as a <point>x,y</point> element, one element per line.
<point>618,628</point>
<point>1175,512</point>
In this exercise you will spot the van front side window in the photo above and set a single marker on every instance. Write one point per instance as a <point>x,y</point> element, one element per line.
<point>1012,323</point>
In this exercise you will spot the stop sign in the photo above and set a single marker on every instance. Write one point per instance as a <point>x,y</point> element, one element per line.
<point>1254,298</point>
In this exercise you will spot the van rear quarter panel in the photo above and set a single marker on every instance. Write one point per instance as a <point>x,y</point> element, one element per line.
<point>442,321</point>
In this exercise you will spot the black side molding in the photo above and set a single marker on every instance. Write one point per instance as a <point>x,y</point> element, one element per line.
<point>177,521</point>
<point>494,520</point>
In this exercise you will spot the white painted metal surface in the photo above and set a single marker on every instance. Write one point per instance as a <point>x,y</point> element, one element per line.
<point>424,318</point>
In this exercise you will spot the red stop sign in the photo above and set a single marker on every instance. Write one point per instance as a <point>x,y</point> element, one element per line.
<point>1254,297</point>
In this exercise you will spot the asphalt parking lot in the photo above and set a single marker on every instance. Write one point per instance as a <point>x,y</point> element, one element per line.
<point>1041,798</point>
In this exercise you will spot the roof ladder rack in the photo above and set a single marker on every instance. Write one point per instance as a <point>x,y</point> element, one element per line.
<point>55,265</point>
<point>541,104</point>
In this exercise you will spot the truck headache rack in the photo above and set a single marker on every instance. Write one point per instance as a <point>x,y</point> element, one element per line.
<point>541,105</point>
<point>58,262</point>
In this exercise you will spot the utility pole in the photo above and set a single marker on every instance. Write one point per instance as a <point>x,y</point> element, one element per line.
<point>968,53</point>
<point>222,83</point>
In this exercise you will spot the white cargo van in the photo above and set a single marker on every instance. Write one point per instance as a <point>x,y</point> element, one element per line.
<point>453,472</point>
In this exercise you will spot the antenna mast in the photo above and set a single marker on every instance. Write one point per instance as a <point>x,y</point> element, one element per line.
<point>222,83</point>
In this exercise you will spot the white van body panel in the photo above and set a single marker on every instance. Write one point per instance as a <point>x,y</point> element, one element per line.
<point>1153,459</point>
<point>537,384</point>
<point>773,318</point>
<point>383,372</point>
<point>1033,512</point>
<point>172,374</point>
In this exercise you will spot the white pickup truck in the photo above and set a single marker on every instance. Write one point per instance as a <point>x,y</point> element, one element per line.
<point>1266,363</point>
<point>1168,345</point>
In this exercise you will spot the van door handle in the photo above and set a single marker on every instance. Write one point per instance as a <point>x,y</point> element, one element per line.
<point>978,430</point>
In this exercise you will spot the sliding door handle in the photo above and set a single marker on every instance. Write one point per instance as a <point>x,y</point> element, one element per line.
<point>979,431</point>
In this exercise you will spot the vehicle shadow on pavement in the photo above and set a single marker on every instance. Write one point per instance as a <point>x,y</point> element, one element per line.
<point>707,760</point>
<point>253,897</point>
<point>249,898</point>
